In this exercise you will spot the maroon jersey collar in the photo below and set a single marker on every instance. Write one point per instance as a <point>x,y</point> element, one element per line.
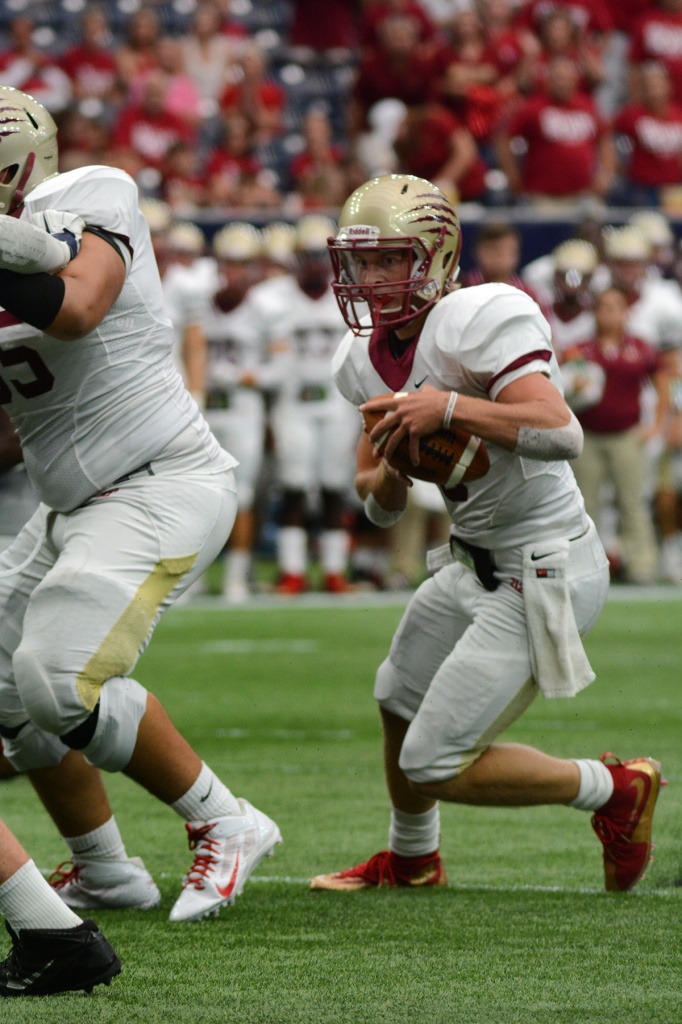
<point>393,370</point>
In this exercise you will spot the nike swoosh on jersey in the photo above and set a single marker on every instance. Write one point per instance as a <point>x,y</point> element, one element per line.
<point>418,385</point>
<point>226,890</point>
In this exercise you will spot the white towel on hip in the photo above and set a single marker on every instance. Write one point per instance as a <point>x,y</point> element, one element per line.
<point>558,659</point>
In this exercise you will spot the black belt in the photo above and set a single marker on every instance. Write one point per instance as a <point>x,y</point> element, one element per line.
<point>479,559</point>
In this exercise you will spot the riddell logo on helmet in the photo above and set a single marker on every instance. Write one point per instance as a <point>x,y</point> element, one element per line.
<point>362,232</point>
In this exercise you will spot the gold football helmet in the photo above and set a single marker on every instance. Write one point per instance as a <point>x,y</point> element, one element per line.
<point>28,147</point>
<point>395,211</point>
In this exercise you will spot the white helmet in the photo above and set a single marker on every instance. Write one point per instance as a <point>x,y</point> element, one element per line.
<point>185,237</point>
<point>396,211</point>
<point>28,147</point>
<point>654,226</point>
<point>278,243</point>
<point>575,254</point>
<point>312,233</point>
<point>238,241</point>
<point>157,213</point>
<point>627,243</point>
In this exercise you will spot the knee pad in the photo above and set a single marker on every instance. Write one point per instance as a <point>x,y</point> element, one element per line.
<point>122,705</point>
<point>31,747</point>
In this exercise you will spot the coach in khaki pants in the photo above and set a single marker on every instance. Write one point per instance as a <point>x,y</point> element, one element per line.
<point>615,441</point>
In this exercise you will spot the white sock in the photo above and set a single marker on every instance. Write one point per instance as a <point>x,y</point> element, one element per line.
<point>596,785</point>
<point>103,843</point>
<point>237,565</point>
<point>27,901</point>
<point>414,835</point>
<point>208,798</point>
<point>292,550</point>
<point>334,547</point>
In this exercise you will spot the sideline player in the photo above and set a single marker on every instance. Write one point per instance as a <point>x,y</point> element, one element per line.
<point>137,500</point>
<point>52,949</point>
<point>236,376</point>
<point>474,646</point>
<point>314,431</point>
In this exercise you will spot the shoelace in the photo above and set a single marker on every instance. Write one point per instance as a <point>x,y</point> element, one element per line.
<point>64,874</point>
<point>204,860</point>
<point>378,869</point>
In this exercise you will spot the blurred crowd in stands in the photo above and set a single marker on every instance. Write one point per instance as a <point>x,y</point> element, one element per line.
<point>262,105</point>
<point>247,123</point>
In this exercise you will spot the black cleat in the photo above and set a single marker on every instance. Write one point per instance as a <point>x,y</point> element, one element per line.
<point>44,961</point>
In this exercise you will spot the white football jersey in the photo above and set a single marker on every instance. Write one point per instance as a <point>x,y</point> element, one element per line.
<point>91,411</point>
<point>656,316</point>
<point>187,294</point>
<point>476,341</point>
<point>566,333</point>
<point>311,330</point>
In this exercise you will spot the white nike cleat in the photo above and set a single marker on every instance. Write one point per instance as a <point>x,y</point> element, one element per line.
<point>106,885</point>
<point>226,851</point>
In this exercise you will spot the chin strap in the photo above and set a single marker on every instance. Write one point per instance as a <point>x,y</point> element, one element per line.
<point>18,197</point>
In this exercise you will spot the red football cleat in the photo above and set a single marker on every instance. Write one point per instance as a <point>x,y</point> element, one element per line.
<point>383,870</point>
<point>291,583</point>
<point>624,823</point>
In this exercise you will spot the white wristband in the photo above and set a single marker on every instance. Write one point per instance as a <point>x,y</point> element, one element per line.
<point>379,515</point>
<point>452,401</point>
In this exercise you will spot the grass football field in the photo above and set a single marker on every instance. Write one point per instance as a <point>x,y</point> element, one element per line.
<point>277,699</point>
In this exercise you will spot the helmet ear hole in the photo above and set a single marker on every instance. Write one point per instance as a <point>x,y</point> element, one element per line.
<point>7,173</point>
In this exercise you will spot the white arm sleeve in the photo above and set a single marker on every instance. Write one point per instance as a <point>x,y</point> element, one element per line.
<point>28,249</point>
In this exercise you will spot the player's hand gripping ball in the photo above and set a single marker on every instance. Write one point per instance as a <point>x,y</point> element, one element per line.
<point>446,457</point>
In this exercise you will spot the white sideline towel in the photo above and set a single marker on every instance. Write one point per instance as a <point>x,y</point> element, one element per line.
<point>558,659</point>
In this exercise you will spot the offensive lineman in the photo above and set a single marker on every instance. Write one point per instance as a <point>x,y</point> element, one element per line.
<point>474,647</point>
<point>137,499</point>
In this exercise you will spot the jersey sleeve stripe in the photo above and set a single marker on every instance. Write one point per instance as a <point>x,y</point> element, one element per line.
<point>529,357</point>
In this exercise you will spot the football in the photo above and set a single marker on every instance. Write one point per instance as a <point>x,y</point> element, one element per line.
<point>446,457</point>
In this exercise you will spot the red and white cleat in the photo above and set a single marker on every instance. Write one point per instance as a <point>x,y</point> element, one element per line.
<point>624,823</point>
<point>226,851</point>
<point>386,869</point>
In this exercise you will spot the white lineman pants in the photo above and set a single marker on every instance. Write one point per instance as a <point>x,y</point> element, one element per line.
<point>459,666</point>
<point>84,608</point>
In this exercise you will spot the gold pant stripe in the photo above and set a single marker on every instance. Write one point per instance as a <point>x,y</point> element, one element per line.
<point>120,648</point>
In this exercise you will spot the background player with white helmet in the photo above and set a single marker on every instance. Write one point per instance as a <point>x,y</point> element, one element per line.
<point>314,431</point>
<point>137,499</point>
<point>188,280</point>
<point>236,377</point>
<point>474,647</point>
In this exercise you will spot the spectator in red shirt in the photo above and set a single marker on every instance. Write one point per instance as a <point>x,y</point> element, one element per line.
<point>183,186</point>
<point>147,127</point>
<point>212,47</point>
<point>337,30</point>
<point>256,96</point>
<point>90,63</point>
<point>470,75</point>
<point>398,68</point>
<point>183,98</point>
<point>434,144</point>
<point>592,17</point>
<point>559,35</point>
<point>27,68</point>
<point>653,130</point>
<point>318,174</point>
<point>138,52</point>
<point>378,11</point>
<point>569,147</point>
<point>658,36</point>
<point>615,442</point>
<point>233,172</point>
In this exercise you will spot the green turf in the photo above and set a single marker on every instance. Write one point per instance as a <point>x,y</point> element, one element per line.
<point>279,702</point>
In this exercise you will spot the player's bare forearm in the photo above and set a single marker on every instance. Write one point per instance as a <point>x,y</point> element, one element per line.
<point>374,476</point>
<point>531,403</point>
